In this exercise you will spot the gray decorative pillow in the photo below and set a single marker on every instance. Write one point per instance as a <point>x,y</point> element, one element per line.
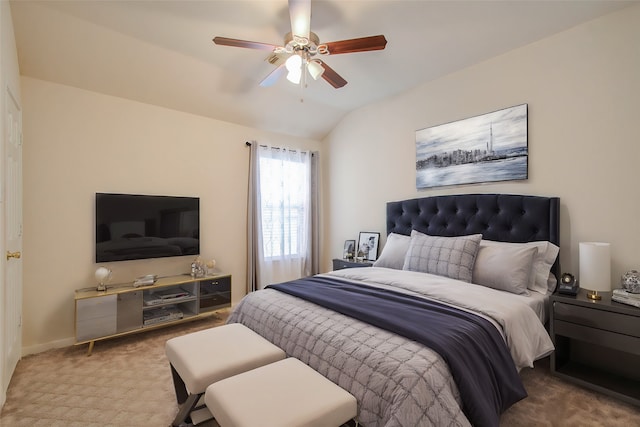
<point>452,257</point>
<point>546,255</point>
<point>394,251</point>
<point>504,268</point>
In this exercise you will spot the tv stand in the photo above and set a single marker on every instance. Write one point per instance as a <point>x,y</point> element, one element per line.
<point>125,309</point>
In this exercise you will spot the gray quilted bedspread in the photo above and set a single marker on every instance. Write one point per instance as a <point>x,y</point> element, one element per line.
<point>396,381</point>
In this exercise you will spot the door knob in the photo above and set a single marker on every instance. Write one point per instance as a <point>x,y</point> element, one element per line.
<point>13,254</point>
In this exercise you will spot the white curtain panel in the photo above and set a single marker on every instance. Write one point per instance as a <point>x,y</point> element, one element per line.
<point>280,216</point>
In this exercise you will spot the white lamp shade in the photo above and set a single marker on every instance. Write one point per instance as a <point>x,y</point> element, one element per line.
<point>595,266</point>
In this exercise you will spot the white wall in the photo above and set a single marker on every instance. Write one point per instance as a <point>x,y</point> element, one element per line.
<point>77,143</point>
<point>582,87</point>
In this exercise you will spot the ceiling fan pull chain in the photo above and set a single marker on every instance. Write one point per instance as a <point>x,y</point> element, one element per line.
<point>303,80</point>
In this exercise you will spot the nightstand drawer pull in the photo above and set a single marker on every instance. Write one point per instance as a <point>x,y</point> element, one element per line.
<point>596,318</point>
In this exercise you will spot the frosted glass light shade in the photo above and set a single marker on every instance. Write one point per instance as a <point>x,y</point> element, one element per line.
<point>595,266</point>
<point>315,69</point>
<point>294,63</point>
<point>294,76</point>
<point>294,66</point>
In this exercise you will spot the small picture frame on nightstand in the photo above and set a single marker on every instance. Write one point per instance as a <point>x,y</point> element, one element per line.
<point>368,245</point>
<point>349,249</point>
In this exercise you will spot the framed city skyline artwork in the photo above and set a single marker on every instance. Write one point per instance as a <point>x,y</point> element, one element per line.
<point>486,148</point>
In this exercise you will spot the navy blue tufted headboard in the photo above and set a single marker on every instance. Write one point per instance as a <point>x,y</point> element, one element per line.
<point>501,217</point>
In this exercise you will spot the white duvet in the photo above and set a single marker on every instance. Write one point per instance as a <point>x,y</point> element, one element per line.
<point>520,326</point>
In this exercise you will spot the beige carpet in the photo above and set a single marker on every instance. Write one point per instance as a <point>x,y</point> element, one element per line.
<point>127,382</point>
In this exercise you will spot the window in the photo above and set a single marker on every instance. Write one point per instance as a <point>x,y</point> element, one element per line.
<point>284,202</point>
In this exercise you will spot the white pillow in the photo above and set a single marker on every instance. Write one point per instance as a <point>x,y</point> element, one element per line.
<point>393,252</point>
<point>552,282</point>
<point>504,268</point>
<point>542,263</point>
<point>452,257</point>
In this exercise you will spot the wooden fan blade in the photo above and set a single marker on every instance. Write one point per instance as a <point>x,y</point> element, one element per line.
<point>300,14</point>
<point>224,41</point>
<point>273,76</point>
<point>333,78</point>
<point>362,44</point>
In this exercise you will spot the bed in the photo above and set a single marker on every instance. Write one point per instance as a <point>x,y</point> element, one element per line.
<point>459,297</point>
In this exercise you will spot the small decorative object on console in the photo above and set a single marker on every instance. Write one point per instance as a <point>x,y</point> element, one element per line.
<point>197,268</point>
<point>624,297</point>
<point>211,266</point>
<point>631,281</point>
<point>103,275</point>
<point>147,280</point>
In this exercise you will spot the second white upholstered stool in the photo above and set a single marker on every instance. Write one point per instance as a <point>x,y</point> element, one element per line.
<point>287,393</point>
<point>202,358</point>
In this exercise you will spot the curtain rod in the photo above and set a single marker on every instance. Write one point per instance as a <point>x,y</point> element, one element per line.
<point>248,144</point>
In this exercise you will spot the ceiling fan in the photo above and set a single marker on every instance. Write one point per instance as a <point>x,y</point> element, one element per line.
<point>300,48</point>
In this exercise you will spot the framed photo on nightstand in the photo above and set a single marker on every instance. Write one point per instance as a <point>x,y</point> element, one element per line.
<point>368,245</point>
<point>349,249</point>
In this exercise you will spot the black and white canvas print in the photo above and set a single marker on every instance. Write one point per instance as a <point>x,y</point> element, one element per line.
<point>486,148</point>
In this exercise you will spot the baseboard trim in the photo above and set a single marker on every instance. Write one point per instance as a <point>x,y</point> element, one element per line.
<point>39,348</point>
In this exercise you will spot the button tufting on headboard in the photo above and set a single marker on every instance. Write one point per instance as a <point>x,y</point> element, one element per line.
<point>501,217</point>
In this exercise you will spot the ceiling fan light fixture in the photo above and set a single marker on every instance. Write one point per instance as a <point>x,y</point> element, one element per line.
<point>294,76</point>
<point>300,45</point>
<point>294,63</point>
<point>315,69</point>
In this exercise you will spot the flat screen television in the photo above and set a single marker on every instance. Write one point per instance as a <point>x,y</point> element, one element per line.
<point>136,226</point>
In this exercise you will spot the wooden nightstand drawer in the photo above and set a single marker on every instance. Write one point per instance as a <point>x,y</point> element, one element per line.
<point>588,334</point>
<point>594,318</point>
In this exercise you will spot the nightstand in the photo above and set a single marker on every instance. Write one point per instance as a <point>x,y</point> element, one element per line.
<point>597,344</point>
<point>339,264</point>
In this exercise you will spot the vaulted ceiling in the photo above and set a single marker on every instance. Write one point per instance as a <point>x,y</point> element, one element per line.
<point>161,53</point>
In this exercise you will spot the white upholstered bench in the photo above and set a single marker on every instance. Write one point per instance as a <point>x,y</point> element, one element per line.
<point>287,393</point>
<point>202,358</point>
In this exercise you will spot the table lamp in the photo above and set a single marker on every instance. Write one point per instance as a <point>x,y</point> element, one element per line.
<point>595,268</point>
<point>103,275</point>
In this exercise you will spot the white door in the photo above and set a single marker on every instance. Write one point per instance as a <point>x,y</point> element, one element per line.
<point>12,210</point>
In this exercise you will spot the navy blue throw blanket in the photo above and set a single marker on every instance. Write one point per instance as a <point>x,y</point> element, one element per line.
<point>476,354</point>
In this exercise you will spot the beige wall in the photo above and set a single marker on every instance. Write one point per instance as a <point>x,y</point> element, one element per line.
<point>77,143</point>
<point>582,87</point>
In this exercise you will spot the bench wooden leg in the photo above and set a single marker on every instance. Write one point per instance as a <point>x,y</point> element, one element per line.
<point>179,386</point>
<point>185,410</point>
